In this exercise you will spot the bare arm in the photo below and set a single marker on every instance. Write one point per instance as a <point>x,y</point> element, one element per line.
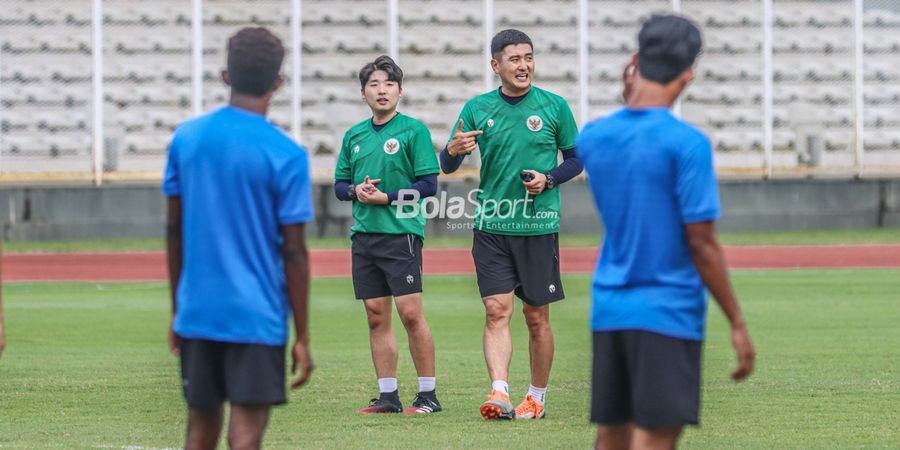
<point>710,262</point>
<point>174,256</point>
<point>296,270</point>
<point>2,335</point>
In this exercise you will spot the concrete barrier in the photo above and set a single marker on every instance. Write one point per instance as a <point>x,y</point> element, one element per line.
<point>138,210</point>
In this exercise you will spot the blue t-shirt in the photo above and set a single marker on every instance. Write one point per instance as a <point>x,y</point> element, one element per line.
<point>650,174</point>
<point>239,178</point>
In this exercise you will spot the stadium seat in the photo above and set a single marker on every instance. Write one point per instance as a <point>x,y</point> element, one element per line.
<point>417,42</point>
<point>61,121</point>
<point>24,144</point>
<point>738,70</point>
<point>551,40</point>
<point>883,140</point>
<point>883,42</point>
<point>839,140</point>
<point>152,144</point>
<point>606,70</point>
<point>464,12</point>
<point>881,117</point>
<point>784,140</point>
<point>732,42</point>
<point>611,43</point>
<point>355,40</point>
<point>878,94</point>
<point>556,67</point>
<point>565,89</point>
<point>724,15</point>
<point>72,13</point>
<point>619,14</point>
<point>813,41</point>
<point>737,141</point>
<point>604,94</point>
<point>69,144</point>
<point>511,14</point>
<point>874,18</point>
<point>331,68</point>
<point>724,94</point>
<point>459,67</point>
<point>355,13</point>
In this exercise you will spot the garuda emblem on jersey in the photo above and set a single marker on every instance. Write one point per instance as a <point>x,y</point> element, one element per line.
<point>534,123</point>
<point>391,146</point>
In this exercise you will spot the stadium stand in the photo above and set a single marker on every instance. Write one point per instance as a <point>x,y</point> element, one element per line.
<point>45,71</point>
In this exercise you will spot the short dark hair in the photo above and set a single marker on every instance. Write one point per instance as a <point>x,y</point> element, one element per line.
<point>667,46</point>
<point>508,37</point>
<point>254,61</point>
<point>385,63</point>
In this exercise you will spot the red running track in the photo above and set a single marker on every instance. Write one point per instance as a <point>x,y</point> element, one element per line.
<point>336,263</point>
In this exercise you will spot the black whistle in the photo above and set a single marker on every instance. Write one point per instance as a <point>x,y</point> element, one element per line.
<point>526,176</point>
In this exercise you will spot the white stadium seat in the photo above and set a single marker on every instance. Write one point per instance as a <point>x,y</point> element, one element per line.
<point>47,88</point>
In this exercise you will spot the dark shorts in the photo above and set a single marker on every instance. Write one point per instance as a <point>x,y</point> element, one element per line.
<point>386,265</point>
<point>528,265</point>
<point>213,372</point>
<point>645,378</point>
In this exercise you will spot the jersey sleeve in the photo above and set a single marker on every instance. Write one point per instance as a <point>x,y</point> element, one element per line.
<point>568,129</point>
<point>295,190</point>
<point>698,192</point>
<point>342,169</point>
<point>171,185</point>
<point>423,158</point>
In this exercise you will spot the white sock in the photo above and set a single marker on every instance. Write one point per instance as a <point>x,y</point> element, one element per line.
<point>387,384</point>
<point>500,385</point>
<point>426,384</point>
<point>538,394</point>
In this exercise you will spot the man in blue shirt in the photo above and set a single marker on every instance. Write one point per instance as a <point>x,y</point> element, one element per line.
<point>653,182</point>
<point>238,197</point>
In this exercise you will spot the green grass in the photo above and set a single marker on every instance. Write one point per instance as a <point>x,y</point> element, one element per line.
<point>808,237</point>
<point>86,367</point>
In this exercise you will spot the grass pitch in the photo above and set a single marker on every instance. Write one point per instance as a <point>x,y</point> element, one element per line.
<point>86,367</point>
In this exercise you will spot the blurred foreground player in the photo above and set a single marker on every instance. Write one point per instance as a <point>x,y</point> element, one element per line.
<point>653,182</point>
<point>239,196</point>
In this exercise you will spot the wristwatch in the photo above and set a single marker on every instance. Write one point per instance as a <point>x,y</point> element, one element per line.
<point>351,192</point>
<point>551,182</point>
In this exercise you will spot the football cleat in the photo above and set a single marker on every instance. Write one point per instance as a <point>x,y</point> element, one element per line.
<point>497,407</point>
<point>529,409</point>
<point>388,402</point>
<point>425,403</point>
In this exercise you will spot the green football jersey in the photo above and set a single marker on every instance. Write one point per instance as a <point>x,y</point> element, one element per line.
<point>397,154</point>
<point>527,135</point>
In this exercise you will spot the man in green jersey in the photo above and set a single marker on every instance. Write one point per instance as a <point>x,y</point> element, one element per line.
<point>520,130</point>
<point>382,158</point>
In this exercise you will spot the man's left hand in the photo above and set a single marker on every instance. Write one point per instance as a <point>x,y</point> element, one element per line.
<point>301,360</point>
<point>373,197</point>
<point>537,184</point>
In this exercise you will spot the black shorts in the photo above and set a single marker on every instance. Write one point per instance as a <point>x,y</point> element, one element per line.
<point>386,265</point>
<point>243,374</point>
<point>645,378</point>
<point>528,265</point>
